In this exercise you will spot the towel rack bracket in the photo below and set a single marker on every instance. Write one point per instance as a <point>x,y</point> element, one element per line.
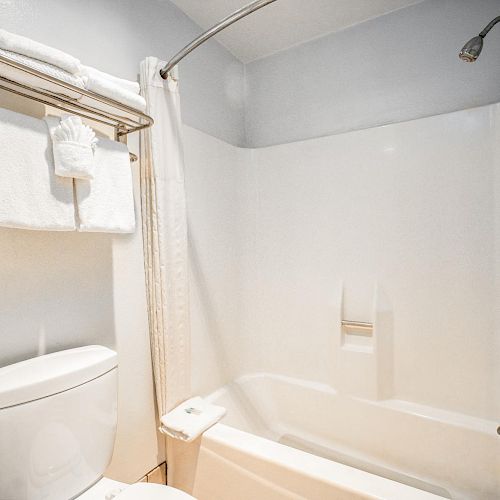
<point>121,136</point>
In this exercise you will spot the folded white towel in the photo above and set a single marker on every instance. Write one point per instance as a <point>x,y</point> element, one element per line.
<point>41,66</point>
<point>128,85</point>
<point>36,50</point>
<point>106,203</point>
<point>73,145</point>
<point>190,419</point>
<point>109,89</point>
<point>32,196</point>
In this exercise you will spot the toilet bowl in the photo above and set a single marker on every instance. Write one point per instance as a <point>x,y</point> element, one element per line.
<point>59,413</point>
<point>107,489</point>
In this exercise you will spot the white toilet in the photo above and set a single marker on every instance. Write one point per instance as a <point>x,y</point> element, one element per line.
<point>57,430</point>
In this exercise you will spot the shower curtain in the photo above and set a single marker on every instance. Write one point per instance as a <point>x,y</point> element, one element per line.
<point>164,229</point>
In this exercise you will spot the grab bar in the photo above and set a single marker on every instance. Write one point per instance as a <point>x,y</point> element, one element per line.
<point>357,325</point>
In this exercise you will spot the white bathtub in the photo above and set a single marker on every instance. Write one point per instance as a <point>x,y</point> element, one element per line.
<point>285,438</point>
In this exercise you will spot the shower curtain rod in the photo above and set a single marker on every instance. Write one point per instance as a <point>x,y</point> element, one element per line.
<point>227,21</point>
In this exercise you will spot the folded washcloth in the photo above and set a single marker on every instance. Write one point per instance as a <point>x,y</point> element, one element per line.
<point>32,196</point>
<point>106,203</point>
<point>36,50</point>
<point>129,85</point>
<point>109,89</point>
<point>73,145</point>
<point>190,419</point>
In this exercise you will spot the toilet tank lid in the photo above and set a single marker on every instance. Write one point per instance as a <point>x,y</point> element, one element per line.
<point>50,374</point>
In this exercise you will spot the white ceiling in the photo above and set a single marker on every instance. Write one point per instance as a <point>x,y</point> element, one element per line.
<point>284,23</point>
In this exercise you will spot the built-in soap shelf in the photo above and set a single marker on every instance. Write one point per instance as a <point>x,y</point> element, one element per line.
<point>363,344</point>
<point>357,335</point>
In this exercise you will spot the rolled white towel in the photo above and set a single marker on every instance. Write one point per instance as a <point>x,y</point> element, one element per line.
<point>36,50</point>
<point>190,419</point>
<point>73,145</point>
<point>109,89</point>
<point>128,85</point>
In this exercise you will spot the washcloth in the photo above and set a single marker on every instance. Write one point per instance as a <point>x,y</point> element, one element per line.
<point>73,145</point>
<point>107,88</point>
<point>129,85</point>
<point>32,196</point>
<point>36,50</point>
<point>190,419</point>
<point>106,203</point>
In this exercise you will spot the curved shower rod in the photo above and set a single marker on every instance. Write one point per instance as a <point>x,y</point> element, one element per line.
<point>227,21</point>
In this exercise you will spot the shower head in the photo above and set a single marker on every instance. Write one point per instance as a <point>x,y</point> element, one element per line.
<point>471,50</point>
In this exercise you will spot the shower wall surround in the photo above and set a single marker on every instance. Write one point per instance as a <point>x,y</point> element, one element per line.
<point>394,225</point>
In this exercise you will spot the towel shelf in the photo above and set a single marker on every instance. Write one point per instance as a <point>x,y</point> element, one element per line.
<point>30,83</point>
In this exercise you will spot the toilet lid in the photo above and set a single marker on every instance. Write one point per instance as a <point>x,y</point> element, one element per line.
<point>150,491</point>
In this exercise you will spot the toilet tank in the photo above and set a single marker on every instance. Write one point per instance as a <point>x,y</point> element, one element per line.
<point>57,423</point>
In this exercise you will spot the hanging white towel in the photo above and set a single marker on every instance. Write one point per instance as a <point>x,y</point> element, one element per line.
<point>109,89</point>
<point>190,419</point>
<point>32,196</point>
<point>73,145</point>
<point>127,85</point>
<point>36,50</point>
<point>106,203</point>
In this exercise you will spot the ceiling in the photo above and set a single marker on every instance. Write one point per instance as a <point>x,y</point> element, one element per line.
<point>284,23</point>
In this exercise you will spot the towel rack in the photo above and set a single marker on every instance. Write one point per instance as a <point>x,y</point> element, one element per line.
<point>73,99</point>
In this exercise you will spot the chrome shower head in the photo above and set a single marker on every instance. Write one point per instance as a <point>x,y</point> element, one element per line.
<point>471,50</point>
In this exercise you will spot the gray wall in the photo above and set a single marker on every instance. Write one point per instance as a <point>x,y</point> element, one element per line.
<point>397,67</point>
<point>393,68</point>
<point>115,35</point>
<point>63,290</point>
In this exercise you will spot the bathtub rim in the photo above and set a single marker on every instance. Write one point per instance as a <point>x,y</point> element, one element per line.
<point>347,479</point>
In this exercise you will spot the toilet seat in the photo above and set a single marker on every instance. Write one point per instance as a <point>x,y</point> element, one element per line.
<point>106,489</point>
<point>150,491</point>
<point>100,490</point>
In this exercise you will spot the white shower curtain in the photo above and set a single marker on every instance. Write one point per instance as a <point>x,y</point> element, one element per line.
<point>164,228</point>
